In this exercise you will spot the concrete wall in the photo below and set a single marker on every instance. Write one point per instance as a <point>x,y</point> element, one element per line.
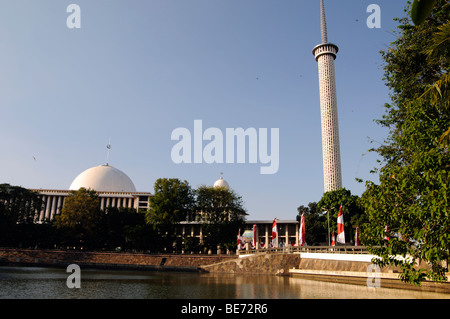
<point>354,269</point>
<point>282,263</point>
<point>277,264</point>
<point>64,258</point>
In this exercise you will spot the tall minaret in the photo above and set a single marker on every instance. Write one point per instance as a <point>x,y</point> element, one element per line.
<point>325,54</point>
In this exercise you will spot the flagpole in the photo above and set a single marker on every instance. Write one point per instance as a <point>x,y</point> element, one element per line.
<point>328,217</point>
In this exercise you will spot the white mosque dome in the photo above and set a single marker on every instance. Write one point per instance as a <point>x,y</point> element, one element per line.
<point>221,183</point>
<point>103,178</point>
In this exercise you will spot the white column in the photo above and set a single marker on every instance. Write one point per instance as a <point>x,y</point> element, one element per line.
<point>201,234</point>
<point>266,245</point>
<point>59,204</point>
<point>42,212</point>
<point>286,235</point>
<point>54,207</point>
<point>48,206</point>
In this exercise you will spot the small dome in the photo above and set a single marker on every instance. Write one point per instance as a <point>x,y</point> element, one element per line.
<point>221,183</point>
<point>103,178</point>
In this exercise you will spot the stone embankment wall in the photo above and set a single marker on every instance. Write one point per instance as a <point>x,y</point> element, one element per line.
<point>106,259</point>
<point>356,270</point>
<point>276,264</point>
<point>338,265</point>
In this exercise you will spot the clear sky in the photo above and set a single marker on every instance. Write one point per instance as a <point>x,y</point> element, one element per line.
<point>137,70</point>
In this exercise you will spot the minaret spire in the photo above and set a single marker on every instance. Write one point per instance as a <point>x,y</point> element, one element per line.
<point>108,147</point>
<point>323,23</point>
<point>325,54</point>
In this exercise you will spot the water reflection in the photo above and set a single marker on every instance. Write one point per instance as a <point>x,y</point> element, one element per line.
<point>36,282</point>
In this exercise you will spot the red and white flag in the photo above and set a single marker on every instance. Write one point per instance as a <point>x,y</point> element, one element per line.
<point>333,242</point>
<point>274,234</point>
<point>301,240</point>
<point>239,240</point>
<point>340,227</point>
<point>357,236</point>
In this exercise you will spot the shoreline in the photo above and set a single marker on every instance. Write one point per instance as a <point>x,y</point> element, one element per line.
<point>108,260</point>
<point>291,265</point>
<point>106,266</point>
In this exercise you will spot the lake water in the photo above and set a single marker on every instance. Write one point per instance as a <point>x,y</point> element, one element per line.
<point>38,282</point>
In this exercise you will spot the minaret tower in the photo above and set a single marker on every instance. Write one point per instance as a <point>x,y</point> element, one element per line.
<point>325,54</point>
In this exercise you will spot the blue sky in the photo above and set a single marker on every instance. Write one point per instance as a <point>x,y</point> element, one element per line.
<point>137,70</point>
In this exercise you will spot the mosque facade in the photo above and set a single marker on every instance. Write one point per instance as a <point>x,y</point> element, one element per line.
<point>115,189</point>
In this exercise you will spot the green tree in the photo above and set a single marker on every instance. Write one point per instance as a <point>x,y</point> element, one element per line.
<point>19,204</point>
<point>171,203</point>
<point>222,213</point>
<point>142,237</point>
<point>412,197</point>
<point>315,221</point>
<point>421,9</point>
<point>80,218</point>
<point>351,208</point>
<point>115,224</point>
<point>439,93</point>
<point>19,207</point>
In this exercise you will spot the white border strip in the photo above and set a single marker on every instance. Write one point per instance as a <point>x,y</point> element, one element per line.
<point>347,257</point>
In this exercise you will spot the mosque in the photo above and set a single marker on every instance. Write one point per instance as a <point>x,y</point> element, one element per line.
<point>116,189</point>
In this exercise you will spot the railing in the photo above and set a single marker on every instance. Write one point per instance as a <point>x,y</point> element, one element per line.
<point>307,249</point>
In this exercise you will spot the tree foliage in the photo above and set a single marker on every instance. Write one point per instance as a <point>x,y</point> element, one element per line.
<point>80,217</point>
<point>171,202</point>
<point>315,223</point>
<point>82,224</point>
<point>412,197</point>
<point>218,204</point>
<point>19,208</point>
<point>118,228</point>
<point>222,213</point>
<point>18,204</point>
<point>351,208</point>
<point>421,9</point>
